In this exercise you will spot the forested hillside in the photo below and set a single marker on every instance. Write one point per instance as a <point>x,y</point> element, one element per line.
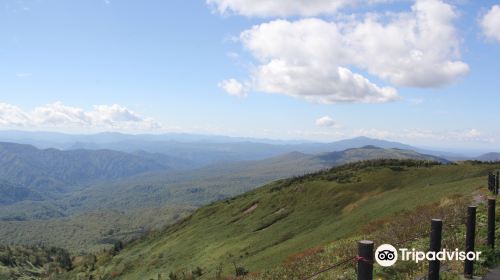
<point>125,205</point>
<point>55,170</point>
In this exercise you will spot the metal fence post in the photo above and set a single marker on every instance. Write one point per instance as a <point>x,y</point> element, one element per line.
<point>365,264</point>
<point>470,240</point>
<point>491,222</point>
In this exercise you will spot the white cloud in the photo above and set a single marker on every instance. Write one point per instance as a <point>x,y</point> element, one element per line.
<point>311,58</point>
<point>114,114</point>
<point>267,8</point>
<point>12,115</point>
<point>233,87</point>
<point>303,59</point>
<point>491,23</point>
<point>284,8</point>
<point>326,121</point>
<point>473,133</point>
<point>420,48</point>
<point>57,115</point>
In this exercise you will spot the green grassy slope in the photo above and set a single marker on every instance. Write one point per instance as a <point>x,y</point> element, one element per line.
<point>260,229</point>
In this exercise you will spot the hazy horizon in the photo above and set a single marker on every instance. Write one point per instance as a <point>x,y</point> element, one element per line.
<point>448,149</point>
<point>420,72</point>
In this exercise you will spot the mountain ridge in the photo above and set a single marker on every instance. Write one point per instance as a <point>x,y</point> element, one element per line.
<point>209,148</point>
<point>489,157</point>
<point>264,227</point>
<point>57,170</point>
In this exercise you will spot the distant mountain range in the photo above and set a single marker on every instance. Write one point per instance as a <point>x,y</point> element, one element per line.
<point>59,183</point>
<point>55,170</point>
<point>200,150</point>
<point>489,157</point>
<point>200,186</point>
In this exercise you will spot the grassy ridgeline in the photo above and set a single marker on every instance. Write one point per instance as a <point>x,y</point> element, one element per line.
<point>262,228</point>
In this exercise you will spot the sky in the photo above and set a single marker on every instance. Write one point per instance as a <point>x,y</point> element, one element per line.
<point>421,72</point>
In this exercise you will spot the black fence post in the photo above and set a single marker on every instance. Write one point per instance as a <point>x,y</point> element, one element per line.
<point>470,240</point>
<point>365,262</point>
<point>491,222</point>
<point>435,246</point>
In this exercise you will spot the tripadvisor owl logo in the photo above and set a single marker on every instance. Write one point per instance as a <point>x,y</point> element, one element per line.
<point>386,255</point>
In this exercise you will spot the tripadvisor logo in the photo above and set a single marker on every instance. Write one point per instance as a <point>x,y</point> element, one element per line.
<point>387,255</point>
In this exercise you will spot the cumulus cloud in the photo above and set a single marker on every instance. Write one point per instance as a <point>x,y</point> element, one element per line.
<point>314,58</point>
<point>12,115</point>
<point>490,23</point>
<point>58,115</point>
<point>326,121</point>
<point>233,87</point>
<point>303,59</point>
<point>416,49</point>
<point>284,8</point>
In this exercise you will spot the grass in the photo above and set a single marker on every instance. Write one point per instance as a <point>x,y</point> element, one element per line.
<point>292,216</point>
<point>410,227</point>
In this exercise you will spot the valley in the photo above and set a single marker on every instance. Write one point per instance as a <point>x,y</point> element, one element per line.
<point>110,191</point>
<point>169,214</point>
<point>249,139</point>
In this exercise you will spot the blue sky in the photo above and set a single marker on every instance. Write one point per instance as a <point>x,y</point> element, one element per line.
<point>158,66</point>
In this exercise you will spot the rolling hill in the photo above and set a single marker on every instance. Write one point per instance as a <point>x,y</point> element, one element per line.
<point>55,170</point>
<point>219,181</point>
<point>11,193</point>
<point>31,221</point>
<point>262,228</point>
<point>489,157</point>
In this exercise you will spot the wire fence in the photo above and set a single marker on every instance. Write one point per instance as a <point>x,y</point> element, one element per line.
<point>355,259</point>
<point>444,267</point>
<point>332,267</point>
